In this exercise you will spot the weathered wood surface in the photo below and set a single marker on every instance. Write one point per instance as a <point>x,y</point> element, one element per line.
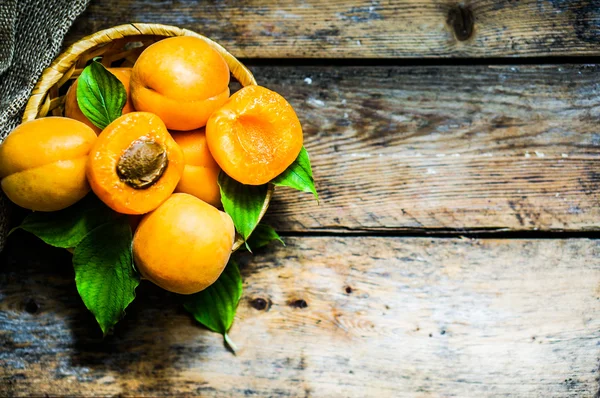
<point>452,148</point>
<point>369,29</point>
<point>348,316</point>
<point>394,148</point>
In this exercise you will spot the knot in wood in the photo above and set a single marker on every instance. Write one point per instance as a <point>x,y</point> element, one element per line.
<point>31,306</point>
<point>298,303</point>
<point>462,21</point>
<point>260,304</point>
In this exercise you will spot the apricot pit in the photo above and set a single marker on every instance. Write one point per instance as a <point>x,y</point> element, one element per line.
<point>142,164</point>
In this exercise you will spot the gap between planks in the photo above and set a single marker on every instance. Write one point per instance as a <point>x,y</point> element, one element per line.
<point>377,62</point>
<point>448,234</point>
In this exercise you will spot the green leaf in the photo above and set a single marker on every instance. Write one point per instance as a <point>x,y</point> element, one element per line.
<point>242,202</point>
<point>104,273</point>
<point>298,175</point>
<point>262,236</point>
<point>100,95</point>
<point>215,306</point>
<point>66,228</point>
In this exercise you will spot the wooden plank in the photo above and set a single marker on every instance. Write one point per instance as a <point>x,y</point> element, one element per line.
<point>369,28</point>
<point>349,316</point>
<point>451,148</point>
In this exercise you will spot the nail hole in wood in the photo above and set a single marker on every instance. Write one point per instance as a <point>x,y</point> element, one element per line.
<point>348,289</point>
<point>298,304</point>
<point>462,21</point>
<point>31,306</point>
<point>261,304</point>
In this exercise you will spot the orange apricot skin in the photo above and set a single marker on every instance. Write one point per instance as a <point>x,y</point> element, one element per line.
<point>184,245</point>
<point>255,136</point>
<point>73,111</point>
<point>201,172</point>
<point>106,152</point>
<point>182,80</point>
<point>42,163</point>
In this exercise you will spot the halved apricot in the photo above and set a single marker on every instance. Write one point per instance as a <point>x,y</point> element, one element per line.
<point>73,111</point>
<point>201,172</point>
<point>255,136</point>
<point>135,164</point>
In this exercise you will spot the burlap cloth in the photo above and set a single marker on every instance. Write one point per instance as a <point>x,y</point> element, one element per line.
<point>31,35</point>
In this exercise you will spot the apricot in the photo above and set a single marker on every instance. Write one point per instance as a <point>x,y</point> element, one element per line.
<point>73,111</point>
<point>42,163</point>
<point>180,79</point>
<point>255,136</point>
<point>183,245</point>
<point>201,172</point>
<point>135,164</point>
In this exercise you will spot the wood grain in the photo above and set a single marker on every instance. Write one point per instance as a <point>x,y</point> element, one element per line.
<point>369,28</point>
<point>444,148</point>
<point>347,316</point>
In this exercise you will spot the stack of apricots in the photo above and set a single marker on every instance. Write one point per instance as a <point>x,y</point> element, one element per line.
<point>159,159</point>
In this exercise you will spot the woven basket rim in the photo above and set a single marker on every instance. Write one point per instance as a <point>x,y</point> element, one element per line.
<point>52,74</point>
<point>68,58</point>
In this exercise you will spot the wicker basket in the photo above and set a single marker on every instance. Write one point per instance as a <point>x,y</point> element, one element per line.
<point>120,46</point>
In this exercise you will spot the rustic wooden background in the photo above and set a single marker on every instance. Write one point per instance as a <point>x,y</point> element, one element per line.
<point>455,147</point>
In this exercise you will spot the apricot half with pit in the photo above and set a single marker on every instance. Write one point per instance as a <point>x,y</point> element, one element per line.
<point>134,164</point>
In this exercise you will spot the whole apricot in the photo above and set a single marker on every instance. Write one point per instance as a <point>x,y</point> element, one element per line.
<point>183,245</point>
<point>182,80</point>
<point>42,163</point>
<point>135,164</point>
<point>201,172</point>
<point>73,111</point>
<point>255,136</point>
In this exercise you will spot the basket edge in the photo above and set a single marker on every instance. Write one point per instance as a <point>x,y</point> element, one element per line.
<point>65,61</point>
